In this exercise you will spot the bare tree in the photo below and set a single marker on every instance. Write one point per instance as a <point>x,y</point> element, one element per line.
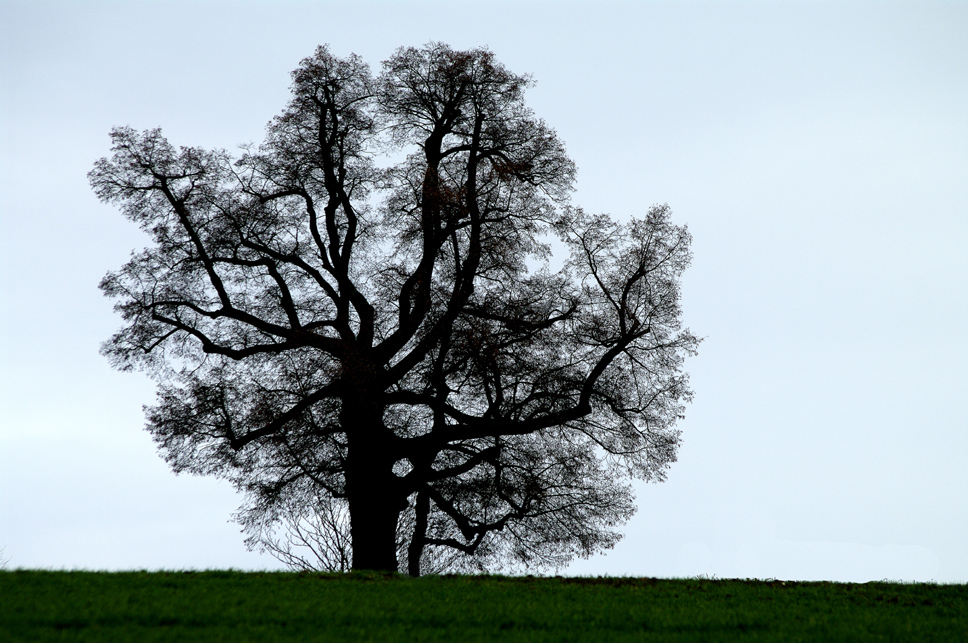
<point>306,532</point>
<point>336,336</point>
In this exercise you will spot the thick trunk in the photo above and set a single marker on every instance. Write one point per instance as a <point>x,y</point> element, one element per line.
<point>373,528</point>
<point>372,489</point>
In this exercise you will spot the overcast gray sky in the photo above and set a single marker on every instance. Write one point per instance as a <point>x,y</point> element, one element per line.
<point>817,151</point>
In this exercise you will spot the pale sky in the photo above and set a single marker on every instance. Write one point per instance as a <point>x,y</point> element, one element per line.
<point>817,151</point>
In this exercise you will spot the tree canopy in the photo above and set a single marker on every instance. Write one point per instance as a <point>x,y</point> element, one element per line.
<point>360,316</point>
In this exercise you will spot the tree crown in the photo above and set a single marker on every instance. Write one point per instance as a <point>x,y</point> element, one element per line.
<point>326,327</point>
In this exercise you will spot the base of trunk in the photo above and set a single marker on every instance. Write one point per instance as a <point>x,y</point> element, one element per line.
<point>373,526</point>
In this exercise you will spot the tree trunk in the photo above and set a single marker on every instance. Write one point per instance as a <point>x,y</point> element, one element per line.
<point>375,501</point>
<point>418,540</point>
<point>373,529</point>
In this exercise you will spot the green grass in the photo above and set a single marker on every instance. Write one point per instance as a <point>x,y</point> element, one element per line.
<point>238,606</point>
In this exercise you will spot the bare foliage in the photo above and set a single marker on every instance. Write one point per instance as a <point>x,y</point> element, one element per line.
<point>380,356</point>
<point>306,533</point>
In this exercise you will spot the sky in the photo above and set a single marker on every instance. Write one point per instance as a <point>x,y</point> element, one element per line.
<point>817,151</point>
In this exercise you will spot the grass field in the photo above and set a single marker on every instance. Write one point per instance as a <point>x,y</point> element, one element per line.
<point>240,606</point>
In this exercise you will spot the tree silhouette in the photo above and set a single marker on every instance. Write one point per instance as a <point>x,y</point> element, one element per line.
<point>392,339</point>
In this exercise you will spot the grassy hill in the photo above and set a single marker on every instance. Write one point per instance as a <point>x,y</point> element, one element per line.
<point>273,606</point>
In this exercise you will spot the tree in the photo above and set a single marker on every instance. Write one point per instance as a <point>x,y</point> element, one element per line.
<point>391,342</point>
